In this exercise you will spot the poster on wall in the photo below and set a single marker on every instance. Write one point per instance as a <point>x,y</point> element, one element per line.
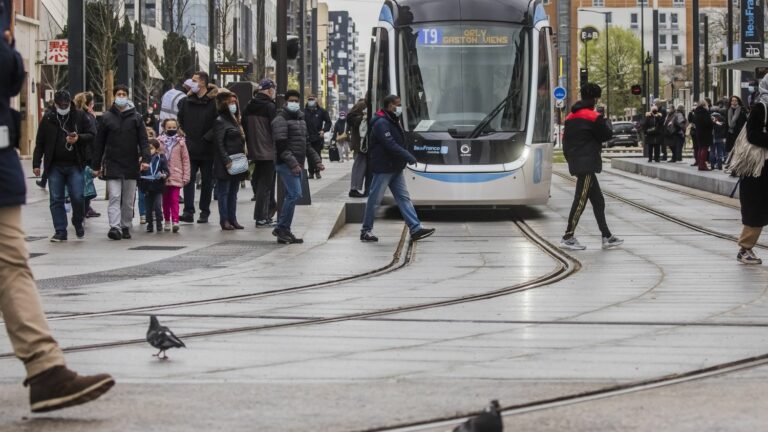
<point>57,52</point>
<point>752,28</point>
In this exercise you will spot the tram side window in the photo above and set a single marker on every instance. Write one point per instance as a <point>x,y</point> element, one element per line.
<point>543,121</point>
<point>381,78</point>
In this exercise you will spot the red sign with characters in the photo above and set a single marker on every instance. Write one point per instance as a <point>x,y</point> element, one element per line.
<point>57,52</point>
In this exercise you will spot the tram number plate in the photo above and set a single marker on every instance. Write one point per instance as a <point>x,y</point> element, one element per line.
<point>430,36</point>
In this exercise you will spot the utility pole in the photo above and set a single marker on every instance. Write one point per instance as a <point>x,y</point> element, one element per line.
<point>301,62</point>
<point>607,79</point>
<point>696,51</point>
<point>656,49</point>
<point>707,87</point>
<point>729,35</point>
<point>261,43</point>
<point>315,58</point>
<point>281,70</point>
<point>643,68</point>
<point>211,38</point>
<point>76,40</point>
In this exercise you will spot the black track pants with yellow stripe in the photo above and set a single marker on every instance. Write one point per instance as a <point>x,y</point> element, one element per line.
<point>587,188</point>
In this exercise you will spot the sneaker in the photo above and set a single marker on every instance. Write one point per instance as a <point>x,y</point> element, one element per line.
<point>79,231</point>
<point>747,256</point>
<point>265,223</point>
<point>368,237</point>
<point>422,234</point>
<point>150,228</point>
<point>612,242</point>
<point>59,387</point>
<point>59,237</point>
<point>168,226</point>
<point>571,244</point>
<point>114,234</point>
<point>175,228</point>
<point>159,227</point>
<point>203,219</point>
<point>126,234</point>
<point>355,194</point>
<point>143,220</point>
<point>287,237</point>
<point>91,213</point>
<point>40,184</point>
<point>186,217</point>
<point>318,176</point>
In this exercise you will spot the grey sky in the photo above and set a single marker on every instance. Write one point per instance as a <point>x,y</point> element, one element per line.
<point>364,12</point>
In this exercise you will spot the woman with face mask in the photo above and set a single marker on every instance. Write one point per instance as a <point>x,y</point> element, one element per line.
<point>229,142</point>
<point>179,172</point>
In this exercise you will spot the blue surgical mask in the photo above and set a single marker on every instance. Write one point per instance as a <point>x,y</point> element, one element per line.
<point>195,87</point>
<point>293,106</point>
<point>398,111</point>
<point>233,108</point>
<point>121,102</point>
<point>62,112</point>
<point>312,104</point>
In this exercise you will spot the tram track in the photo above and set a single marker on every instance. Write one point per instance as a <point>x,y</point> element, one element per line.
<point>565,266</point>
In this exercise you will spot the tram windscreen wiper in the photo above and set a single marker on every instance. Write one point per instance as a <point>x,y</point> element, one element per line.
<point>491,115</point>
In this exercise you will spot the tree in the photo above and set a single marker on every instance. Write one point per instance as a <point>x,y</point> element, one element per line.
<point>143,83</point>
<point>102,22</point>
<point>173,15</point>
<point>624,68</point>
<point>225,19</point>
<point>177,61</point>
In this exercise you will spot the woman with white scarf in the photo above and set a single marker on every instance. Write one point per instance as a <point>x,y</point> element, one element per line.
<point>754,190</point>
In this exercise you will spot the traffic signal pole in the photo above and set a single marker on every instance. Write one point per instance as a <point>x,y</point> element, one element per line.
<point>76,41</point>
<point>282,47</point>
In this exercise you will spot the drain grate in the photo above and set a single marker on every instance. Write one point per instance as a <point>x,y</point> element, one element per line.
<point>157,248</point>
<point>33,238</point>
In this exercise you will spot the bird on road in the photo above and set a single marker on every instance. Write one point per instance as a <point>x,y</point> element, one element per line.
<point>487,421</point>
<point>162,338</point>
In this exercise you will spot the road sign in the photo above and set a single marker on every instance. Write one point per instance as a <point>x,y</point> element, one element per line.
<point>589,33</point>
<point>560,104</point>
<point>559,93</point>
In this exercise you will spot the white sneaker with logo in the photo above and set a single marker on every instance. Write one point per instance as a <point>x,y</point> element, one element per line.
<point>571,244</point>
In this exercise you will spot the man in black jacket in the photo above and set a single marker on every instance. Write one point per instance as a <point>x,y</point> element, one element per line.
<point>257,121</point>
<point>52,384</point>
<point>318,123</point>
<point>289,130</point>
<point>197,113</point>
<point>584,132</point>
<point>63,136</point>
<point>121,145</point>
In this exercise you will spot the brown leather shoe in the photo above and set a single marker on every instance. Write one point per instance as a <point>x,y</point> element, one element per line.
<point>237,226</point>
<point>59,387</point>
<point>226,226</point>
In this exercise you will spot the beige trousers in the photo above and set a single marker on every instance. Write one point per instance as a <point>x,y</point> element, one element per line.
<point>19,302</point>
<point>749,236</point>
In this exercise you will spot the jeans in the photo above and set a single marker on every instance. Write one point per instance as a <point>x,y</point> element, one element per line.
<point>142,205</point>
<point>171,204</point>
<point>59,179</point>
<point>206,172</point>
<point>396,184</point>
<point>226,191</point>
<point>292,184</point>
<point>358,171</point>
<point>154,200</point>
<point>120,208</point>
<point>717,153</point>
<point>263,183</point>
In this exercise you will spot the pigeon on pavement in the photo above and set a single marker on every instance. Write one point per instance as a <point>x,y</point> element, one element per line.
<point>488,421</point>
<point>162,338</point>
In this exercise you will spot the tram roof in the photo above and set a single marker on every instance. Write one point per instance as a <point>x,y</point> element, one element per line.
<point>407,12</point>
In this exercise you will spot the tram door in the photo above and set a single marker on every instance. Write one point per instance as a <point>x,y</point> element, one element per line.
<point>381,73</point>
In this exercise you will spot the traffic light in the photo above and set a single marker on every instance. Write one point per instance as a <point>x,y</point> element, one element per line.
<point>637,89</point>
<point>293,47</point>
<point>583,77</point>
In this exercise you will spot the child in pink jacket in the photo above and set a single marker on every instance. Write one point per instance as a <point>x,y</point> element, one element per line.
<point>175,149</point>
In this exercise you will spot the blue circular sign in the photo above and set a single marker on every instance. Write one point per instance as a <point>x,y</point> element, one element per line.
<point>559,93</point>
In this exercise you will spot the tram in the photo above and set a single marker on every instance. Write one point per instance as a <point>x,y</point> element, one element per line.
<point>476,80</point>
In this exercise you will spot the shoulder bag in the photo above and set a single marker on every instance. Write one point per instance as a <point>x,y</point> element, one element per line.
<point>239,164</point>
<point>747,159</point>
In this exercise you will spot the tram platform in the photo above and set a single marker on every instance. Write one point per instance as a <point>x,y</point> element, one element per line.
<point>681,173</point>
<point>338,335</point>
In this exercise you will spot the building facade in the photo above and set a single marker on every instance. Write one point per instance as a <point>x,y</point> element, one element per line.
<point>343,57</point>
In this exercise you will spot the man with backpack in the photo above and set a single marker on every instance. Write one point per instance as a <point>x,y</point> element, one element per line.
<point>674,134</point>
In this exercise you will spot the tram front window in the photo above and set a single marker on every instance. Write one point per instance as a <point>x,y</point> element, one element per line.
<point>456,74</point>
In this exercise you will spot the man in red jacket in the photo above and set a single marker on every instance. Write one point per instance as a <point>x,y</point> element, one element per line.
<point>585,131</point>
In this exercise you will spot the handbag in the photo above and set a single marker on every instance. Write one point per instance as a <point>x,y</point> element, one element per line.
<point>239,164</point>
<point>342,137</point>
<point>747,159</point>
<point>89,192</point>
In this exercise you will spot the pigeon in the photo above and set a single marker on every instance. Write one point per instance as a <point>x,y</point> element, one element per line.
<point>487,421</point>
<point>162,338</point>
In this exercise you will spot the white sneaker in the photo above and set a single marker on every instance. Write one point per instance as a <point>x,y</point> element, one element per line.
<point>167,226</point>
<point>571,244</point>
<point>612,242</point>
<point>747,256</point>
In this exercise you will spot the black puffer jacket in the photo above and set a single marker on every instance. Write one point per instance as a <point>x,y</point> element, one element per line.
<point>653,127</point>
<point>121,144</point>
<point>754,190</point>
<point>49,132</point>
<point>290,134</point>
<point>318,121</point>
<point>196,118</point>
<point>257,122</point>
<point>228,139</point>
<point>702,119</point>
<point>584,132</point>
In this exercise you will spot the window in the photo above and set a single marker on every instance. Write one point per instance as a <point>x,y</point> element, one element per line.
<point>663,19</point>
<point>678,3</point>
<point>642,2</point>
<point>542,131</point>
<point>673,19</point>
<point>381,68</point>
<point>633,20</point>
<point>663,41</point>
<point>674,41</point>
<point>678,60</point>
<point>598,3</point>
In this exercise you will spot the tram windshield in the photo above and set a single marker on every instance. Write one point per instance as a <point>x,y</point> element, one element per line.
<point>456,74</point>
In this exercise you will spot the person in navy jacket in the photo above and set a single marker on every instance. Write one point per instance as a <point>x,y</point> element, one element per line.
<point>389,157</point>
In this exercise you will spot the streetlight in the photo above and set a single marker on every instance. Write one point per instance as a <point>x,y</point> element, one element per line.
<point>605,15</point>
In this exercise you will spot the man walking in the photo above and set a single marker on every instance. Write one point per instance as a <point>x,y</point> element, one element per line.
<point>63,136</point>
<point>289,130</point>
<point>584,132</point>
<point>318,123</point>
<point>197,114</point>
<point>257,121</point>
<point>121,144</point>
<point>388,159</point>
<point>52,385</point>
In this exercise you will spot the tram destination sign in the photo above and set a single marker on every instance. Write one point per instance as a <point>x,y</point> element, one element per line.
<point>461,37</point>
<point>234,68</point>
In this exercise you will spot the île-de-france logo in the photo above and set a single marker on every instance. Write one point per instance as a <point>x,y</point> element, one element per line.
<point>466,150</point>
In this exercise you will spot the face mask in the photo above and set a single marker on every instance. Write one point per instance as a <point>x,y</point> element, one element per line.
<point>171,132</point>
<point>121,102</point>
<point>195,87</point>
<point>233,108</point>
<point>62,112</point>
<point>398,111</point>
<point>292,106</point>
<point>312,104</point>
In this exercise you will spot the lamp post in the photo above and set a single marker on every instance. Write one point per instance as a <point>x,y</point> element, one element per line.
<point>607,17</point>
